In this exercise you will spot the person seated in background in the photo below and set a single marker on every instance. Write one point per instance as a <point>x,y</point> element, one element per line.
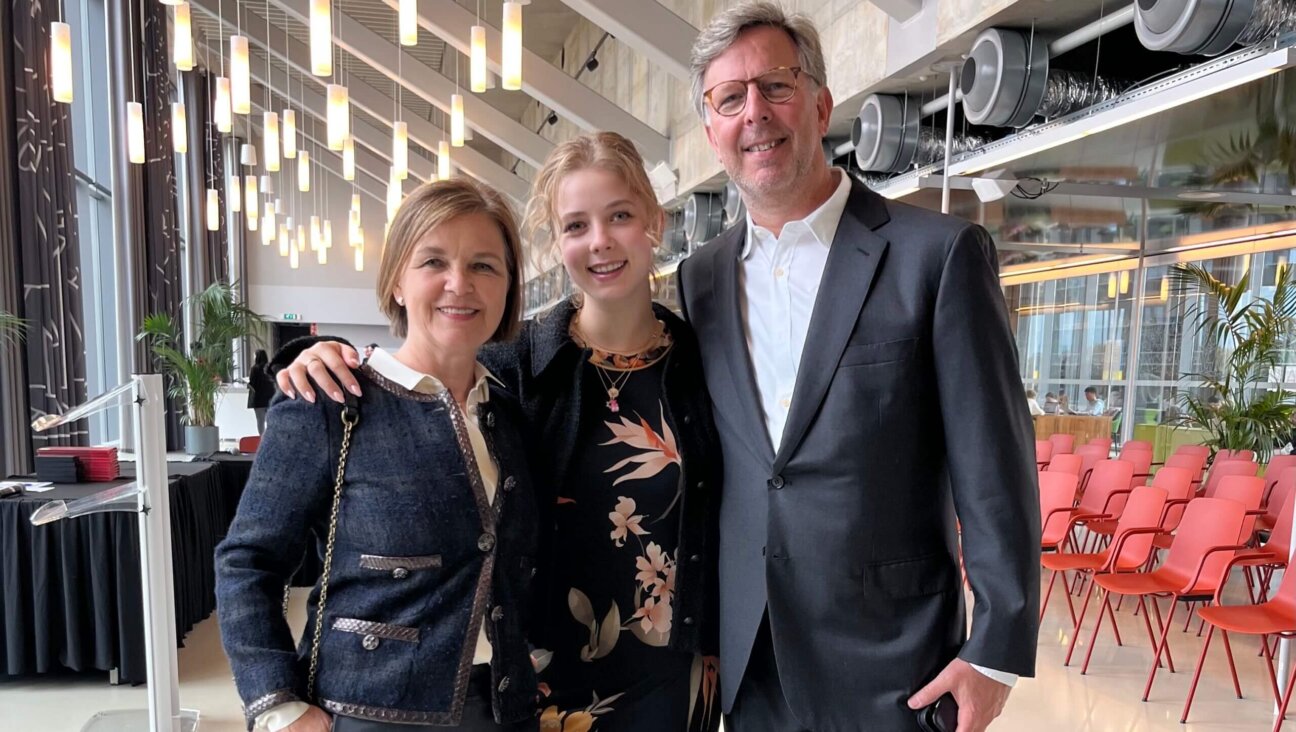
<point>1033,404</point>
<point>1093,406</point>
<point>1051,404</point>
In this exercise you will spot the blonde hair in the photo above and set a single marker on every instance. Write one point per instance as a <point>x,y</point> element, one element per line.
<point>604,150</point>
<point>725,27</point>
<point>430,206</point>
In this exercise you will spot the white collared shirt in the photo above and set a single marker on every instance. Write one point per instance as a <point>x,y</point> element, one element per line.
<point>779,284</point>
<point>281,716</point>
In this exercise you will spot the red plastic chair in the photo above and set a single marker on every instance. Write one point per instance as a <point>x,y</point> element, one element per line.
<point>1062,444</point>
<point>249,445</point>
<point>1104,442</point>
<point>1065,464</point>
<point>1275,617</point>
<point>1201,450</point>
<point>1090,455</point>
<point>1273,555</point>
<point>1143,511</point>
<point>1193,570</point>
<point>1228,455</point>
<point>1278,464</point>
<point>1196,464</point>
<point>1142,462</point>
<point>1043,452</point>
<point>1219,471</point>
<point>1057,503</point>
<point>1104,495</point>
<point>1246,490</point>
<point>1178,484</point>
<point>1275,497</point>
<point>1136,445</point>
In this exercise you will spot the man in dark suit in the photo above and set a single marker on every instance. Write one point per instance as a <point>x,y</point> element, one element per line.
<point>864,380</point>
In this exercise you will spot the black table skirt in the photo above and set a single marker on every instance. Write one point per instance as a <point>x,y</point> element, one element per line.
<point>72,593</point>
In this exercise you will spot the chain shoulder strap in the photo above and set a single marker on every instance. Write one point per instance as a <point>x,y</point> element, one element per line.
<point>350,417</point>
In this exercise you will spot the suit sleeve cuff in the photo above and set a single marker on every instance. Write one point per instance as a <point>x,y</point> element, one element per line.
<point>279,717</point>
<point>1002,677</point>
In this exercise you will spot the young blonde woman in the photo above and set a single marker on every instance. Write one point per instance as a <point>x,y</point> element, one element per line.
<point>625,458</point>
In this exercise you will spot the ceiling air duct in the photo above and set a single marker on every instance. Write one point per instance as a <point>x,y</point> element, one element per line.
<point>1006,82</point>
<point>885,133</point>
<point>1209,27</point>
<point>734,208</point>
<point>674,242</point>
<point>703,217</point>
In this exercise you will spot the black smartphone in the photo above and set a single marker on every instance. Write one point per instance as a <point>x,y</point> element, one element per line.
<point>942,716</point>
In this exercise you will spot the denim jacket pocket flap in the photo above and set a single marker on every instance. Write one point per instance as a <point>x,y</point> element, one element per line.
<point>404,565</point>
<point>379,630</point>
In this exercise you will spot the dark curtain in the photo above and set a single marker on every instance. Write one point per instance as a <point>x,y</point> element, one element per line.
<point>46,225</point>
<point>15,436</point>
<point>215,253</point>
<point>162,257</point>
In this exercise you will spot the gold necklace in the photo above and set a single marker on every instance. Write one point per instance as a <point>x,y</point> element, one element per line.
<point>612,384</point>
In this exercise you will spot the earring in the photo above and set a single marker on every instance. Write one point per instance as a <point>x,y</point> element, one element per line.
<point>400,301</point>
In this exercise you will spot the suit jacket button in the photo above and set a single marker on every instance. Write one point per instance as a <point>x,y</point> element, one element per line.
<point>695,558</point>
<point>503,684</point>
<point>688,620</point>
<point>687,419</point>
<point>369,642</point>
<point>486,542</point>
<point>497,614</point>
<point>510,483</point>
<point>400,573</point>
<point>776,482</point>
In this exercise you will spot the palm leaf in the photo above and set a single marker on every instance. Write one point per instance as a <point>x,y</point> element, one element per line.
<point>11,327</point>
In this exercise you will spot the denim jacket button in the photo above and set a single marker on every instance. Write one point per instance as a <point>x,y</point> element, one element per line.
<point>504,684</point>
<point>400,573</point>
<point>370,642</point>
<point>497,614</point>
<point>486,542</point>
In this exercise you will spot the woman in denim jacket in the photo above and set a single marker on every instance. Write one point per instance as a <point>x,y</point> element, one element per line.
<point>424,620</point>
<point>627,463</point>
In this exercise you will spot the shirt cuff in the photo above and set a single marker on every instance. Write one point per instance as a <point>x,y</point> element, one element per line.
<point>1003,677</point>
<point>280,717</point>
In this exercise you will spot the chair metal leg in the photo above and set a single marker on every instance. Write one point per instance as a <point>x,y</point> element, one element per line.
<point>1075,634</point>
<point>1094,640</point>
<point>1165,638</point>
<point>1192,689</point>
<point>1228,652</point>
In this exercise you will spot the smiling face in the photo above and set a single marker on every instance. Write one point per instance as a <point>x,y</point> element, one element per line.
<point>455,286</point>
<point>771,151</point>
<point>605,235</point>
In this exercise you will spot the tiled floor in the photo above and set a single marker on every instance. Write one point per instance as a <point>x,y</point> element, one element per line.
<point>1106,700</point>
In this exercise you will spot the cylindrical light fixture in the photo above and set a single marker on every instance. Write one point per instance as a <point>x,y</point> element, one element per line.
<point>511,53</point>
<point>135,131</point>
<point>267,187</point>
<point>247,155</point>
<point>353,227</point>
<point>393,195</point>
<point>221,113</point>
<point>182,54</point>
<point>252,204</point>
<point>270,141</point>
<point>400,149</point>
<point>303,171</point>
<point>409,22</point>
<point>328,234</point>
<point>355,201</point>
<point>339,116</point>
<point>179,128</point>
<point>213,210</point>
<point>283,240</point>
<point>359,257</point>
<point>348,158</point>
<point>456,120</point>
<point>316,240</point>
<point>301,238</point>
<point>477,58</point>
<point>289,134</point>
<point>321,38</point>
<point>61,62</point>
<point>268,222</point>
<point>443,160</point>
<point>235,194</point>
<point>240,75</point>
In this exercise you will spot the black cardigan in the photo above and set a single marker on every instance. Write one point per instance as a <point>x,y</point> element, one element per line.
<point>543,368</point>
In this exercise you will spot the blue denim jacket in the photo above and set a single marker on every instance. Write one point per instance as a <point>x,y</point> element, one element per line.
<point>420,561</point>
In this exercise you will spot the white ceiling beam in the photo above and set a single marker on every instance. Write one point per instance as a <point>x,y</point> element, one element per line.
<point>646,26</point>
<point>548,84</point>
<point>427,83</point>
<point>373,102</point>
<point>901,10</point>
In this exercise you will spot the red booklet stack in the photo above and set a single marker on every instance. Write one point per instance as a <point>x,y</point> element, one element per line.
<point>97,463</point>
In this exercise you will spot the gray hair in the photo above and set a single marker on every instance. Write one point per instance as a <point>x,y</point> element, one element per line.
<point>724,29</point>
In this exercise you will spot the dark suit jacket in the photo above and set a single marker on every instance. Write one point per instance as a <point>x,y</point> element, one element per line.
<point>907,409</point>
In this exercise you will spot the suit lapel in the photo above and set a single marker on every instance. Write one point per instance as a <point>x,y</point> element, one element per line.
<point>848,276</point>
<point>728,308</point>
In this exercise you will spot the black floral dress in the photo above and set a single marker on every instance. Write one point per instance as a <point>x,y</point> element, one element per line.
<point>618,528</point>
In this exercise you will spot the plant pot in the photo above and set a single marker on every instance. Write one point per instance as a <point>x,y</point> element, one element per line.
<point>201,440</point>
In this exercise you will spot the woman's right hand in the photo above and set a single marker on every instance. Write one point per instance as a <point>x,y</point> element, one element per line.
<point>329,363</point>
<point>314,720</point>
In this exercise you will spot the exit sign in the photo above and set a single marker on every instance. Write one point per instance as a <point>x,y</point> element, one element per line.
<point>291,316</point>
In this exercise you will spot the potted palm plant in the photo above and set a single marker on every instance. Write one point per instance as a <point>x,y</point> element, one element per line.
<point>196,372</point>
<point>1250,334</point>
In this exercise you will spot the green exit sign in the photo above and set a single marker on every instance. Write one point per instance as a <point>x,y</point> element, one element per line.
<point>291,316</point>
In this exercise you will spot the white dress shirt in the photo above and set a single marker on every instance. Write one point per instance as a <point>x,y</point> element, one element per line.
<point>281,716</point>
<point>779,282</point>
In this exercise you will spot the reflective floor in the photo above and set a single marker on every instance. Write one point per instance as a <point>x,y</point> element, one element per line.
<point>1106,700</point>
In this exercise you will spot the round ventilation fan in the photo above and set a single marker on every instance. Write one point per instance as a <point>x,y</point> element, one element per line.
<point>885,134</point>
<point>1004,78</point>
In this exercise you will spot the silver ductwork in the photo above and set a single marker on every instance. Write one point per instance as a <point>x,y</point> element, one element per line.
<point>1006,82</point>
<point>703,217</point>
<point>931,146</point>
<point>885,133</point>
<point>674,241</point>
<point>734,208</point>
<point>1210,27</point>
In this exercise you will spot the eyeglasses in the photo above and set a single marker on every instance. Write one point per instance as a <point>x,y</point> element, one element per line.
<point>777,85</point>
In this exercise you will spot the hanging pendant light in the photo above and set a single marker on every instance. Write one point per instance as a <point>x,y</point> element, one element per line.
<point>443,160</point>
<point>409,22</point>
<point>240,76</point>
<point>182,54</point>
<point>355,202</point>
<point>359,257</point>
<point>61,62</point>
<point>289,134</point>
<point>353,227</point>
<point>135,132</point>
<point>303,171</point>
<point>456,120</point>
<point>252,205</point>
<point>235,195</point>
<point>316,241</point>
<point>283,240</point>
<point>393,195</point>
<point>247,155</point>
<point>179,128</point>
<point>348,159</point>
<point>400,149</point>
<point>267,187</point>
<point>301,238</point>
<point>270,141</point>
<point>328,234</point>
<point>511,54</point>
<point>213,210</point>
<point>221,113</point>
<point>477,58</point>
<point>339,116</point>
<point>268,221</point>
<point>321,38</point>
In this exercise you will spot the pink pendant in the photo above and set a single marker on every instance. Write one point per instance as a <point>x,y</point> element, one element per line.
<point>612,405</point>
